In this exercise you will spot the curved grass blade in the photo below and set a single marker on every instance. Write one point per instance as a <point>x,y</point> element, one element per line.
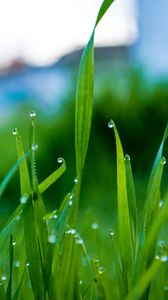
<point>84,96</point>
<point>8,177</point>
<point>43,186</point>
<point>148,201</point>
<point>124,227</point>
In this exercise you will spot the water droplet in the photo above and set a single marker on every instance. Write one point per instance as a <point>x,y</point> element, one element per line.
<point>17,263</point>
<point>127,157</point>
<point>79,241</point>
<point>163,161</point>
<point>27,264</point>
<point>76,179</point>
<point>60,160</point>
<point>34,147</point>
<point>55,216</point>
<point>166,288</point>
<point>18,218</point>
<point>71,231</point>
<point>4,277</point>
<point>52,238</point>
<point>111,124</point>
<point>162,258</point>
<point>111,232</point>
<point>95,226</point>
<point>14,242</point>
<point>95,259</point>
<point>161,204</point>
<point>15,131</point>
<point>101,270</point>
<point>80,282</point>
<point>70,203</point>
<point>23,199</point>
<point>71,196</point>
<point>32,114</point>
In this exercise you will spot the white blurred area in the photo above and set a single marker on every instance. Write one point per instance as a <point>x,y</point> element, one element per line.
<point>40,31</point>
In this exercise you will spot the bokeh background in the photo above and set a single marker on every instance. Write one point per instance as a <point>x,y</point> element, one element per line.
<point>41,42</point>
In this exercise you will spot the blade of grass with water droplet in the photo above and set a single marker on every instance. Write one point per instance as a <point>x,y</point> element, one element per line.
<point>43,186</point>
<point>153,182</point>
<point>124,227</point>
<point>84,96</point>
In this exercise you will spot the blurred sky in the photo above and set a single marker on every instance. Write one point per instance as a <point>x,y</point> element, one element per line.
<point>40,31</point>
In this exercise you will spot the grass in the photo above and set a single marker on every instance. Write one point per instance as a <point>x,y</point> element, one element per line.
<point>43,256</point>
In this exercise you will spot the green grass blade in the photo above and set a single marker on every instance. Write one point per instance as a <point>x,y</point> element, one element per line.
<point>23,169</point>
<point>16,295</point>
<point>84,96</point>
<point>9,287</point>
<point>148,201</point>
<point>33,252</point>
<point>10,174</point>
<point>2,292</point>
<point>43,186</point>
<point>144,281</point>
<point>124,228</point>
<point>131,202</point>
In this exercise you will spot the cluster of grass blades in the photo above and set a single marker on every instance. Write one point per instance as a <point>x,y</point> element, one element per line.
<point>42,256</point>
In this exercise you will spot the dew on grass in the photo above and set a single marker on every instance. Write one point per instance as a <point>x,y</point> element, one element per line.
<point>14,242</point>
<point>79,241</point>
<point>17,263</point>
<point>127,157</point>
<point>161,204</point>
<point>70,203</point>
<point>163,161</point>
<point>111,232</point>
<point>32,114</point>
<point>111,124</point>
<point>71,231</point>
<point>23,199</point>
<point>76,179</point>
<point>80,282</point>
<point>14,131</point>
<point>71,196</point>
<point>166,288</point>
<point>60,160</point>
<point>34,147</point>
<point>94,226</point>
<point>27,264</point>
<point>95,259</point>
<point>3,277</point>
<point>101,270</point>
<point>52,238</point>
<point>162,258</point>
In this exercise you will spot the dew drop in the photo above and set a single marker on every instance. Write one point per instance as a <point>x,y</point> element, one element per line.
<point>76,179</point>
<point>71,231</point>
<point>127,157</point>
<point>101,270</point>
<point>60,160</point>
<point>71,196</point>
<point>15,131</point>
<point>32,114</point>
<point>80,282</point>
<point>94,226</point>
<point>23,199</point>
<point>163,161</point>
<point>161,204</point>
<point>70,203</point>
<point>14,242</point>
<point>4,277</point>
<point>111,232</point>
<point>18,218</point>
<point>166,288</point>
<point>162,258</point>
<point>52,238</point>
<point>95,259</point>
<point>111,124</point>
<point>17,263</point>
<point>27,264</point>
<point>79,241</point>
<point>34,147</point>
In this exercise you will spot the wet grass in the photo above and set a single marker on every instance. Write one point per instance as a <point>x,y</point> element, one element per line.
<point>44,256</point>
